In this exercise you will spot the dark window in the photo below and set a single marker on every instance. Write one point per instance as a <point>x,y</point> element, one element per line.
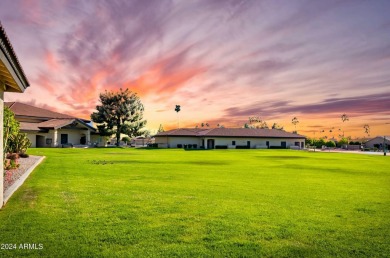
<point>233,142</point>
<point>248,144</point>
<point>267,143</point>
<point>283,145</point>
<point>64,138</point>
<point>296,143</point>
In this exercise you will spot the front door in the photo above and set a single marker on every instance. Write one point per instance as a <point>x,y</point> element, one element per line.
<point>210,144</point>
<point>40,141</point>
<point>64,138</point>
<point>283,144</point>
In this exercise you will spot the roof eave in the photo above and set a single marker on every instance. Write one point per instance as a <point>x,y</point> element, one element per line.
<point>11,62</point>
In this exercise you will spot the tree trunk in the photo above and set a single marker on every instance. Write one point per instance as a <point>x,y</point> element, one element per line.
<point>118,132</point>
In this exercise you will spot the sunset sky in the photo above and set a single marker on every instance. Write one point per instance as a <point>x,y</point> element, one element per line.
<point>222,61</point>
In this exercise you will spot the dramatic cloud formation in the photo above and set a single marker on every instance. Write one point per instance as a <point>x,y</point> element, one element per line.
<point>222,61</point>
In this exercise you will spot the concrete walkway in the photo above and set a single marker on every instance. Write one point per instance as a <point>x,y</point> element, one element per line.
<point>12,189</point>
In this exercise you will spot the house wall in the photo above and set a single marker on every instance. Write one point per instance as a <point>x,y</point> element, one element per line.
<point>255,142</point>
<point>74,137</point>
<point>376,140</point>
<point>171,142</point>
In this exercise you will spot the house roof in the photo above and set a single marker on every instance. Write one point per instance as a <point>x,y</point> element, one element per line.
<point>25,126</point>
<point>10,69</point>
<point>230,132</point>
<point>21,109</point>
<point>52,124</point>
<point>380,137</point>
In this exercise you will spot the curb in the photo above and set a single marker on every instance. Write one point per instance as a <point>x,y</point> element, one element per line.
<point>15,186</point>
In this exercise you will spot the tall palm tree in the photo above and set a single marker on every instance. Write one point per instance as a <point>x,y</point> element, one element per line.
<point>177,109</point>
<point>344,118</point>
<point>295,121</point>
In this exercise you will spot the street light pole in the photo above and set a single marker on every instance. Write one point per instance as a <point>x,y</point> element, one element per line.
<point>384,143</point>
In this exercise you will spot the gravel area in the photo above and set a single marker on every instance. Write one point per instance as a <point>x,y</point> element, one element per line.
<point>10,176</point>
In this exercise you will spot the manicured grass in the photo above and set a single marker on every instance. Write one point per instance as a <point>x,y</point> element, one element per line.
<point>218,203</point>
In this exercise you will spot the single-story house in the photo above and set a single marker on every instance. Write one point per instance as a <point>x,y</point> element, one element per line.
<point>231,138</point>
<point>12,79</point>
<point>46,128</point>
<point>377,142</point>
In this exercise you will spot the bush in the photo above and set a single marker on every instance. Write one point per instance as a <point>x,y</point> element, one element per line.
<point>330,144</point>
<point>24,155</point>
<point>19,143</point>
<point>180,145</point>
<point>12,164</point>
<point>221,146</point>
<point>12,156</point>
<point>195,146</point>
<point>126,139</point>
<point>189,146</point>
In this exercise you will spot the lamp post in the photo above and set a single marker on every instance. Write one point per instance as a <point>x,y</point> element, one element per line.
<point>384,143</point>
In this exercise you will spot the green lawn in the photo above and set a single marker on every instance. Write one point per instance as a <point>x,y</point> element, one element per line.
<point>216,203</point>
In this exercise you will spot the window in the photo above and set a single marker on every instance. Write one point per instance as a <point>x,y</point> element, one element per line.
<point>233,142</point>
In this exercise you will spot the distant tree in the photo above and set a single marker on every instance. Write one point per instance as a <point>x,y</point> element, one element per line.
<point>119,112</point>
<point>367,129</point>
<point>343,141</point>
<point>344,118</point>
<point>330,144</point>
<point>277,126</point>
<point>177,109</point>
<point>146,133</point>
<point>126,139</point>
<point>319,143</point>
<point>160,129</point>
<point>262,125</point>
<point>295,121</point>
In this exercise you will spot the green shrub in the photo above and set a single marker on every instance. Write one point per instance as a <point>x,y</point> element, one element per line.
<point>126,139</point>
<point>330,144</point>
<point>24,155</point>
<point>12,156</point>
<point>19,143</point>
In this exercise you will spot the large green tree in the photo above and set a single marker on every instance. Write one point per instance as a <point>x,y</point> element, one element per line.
<point>119,112</point>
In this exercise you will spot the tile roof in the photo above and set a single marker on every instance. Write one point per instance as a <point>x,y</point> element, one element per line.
<point>25,126</point>
<point>51,124</point>
<point>56,123</point>
<point>21,109</point>
<point>230,132</point>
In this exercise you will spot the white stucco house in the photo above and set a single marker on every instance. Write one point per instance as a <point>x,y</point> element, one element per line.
<point>46,128</point>
<point>12,79</point>
<point>231,138</point>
